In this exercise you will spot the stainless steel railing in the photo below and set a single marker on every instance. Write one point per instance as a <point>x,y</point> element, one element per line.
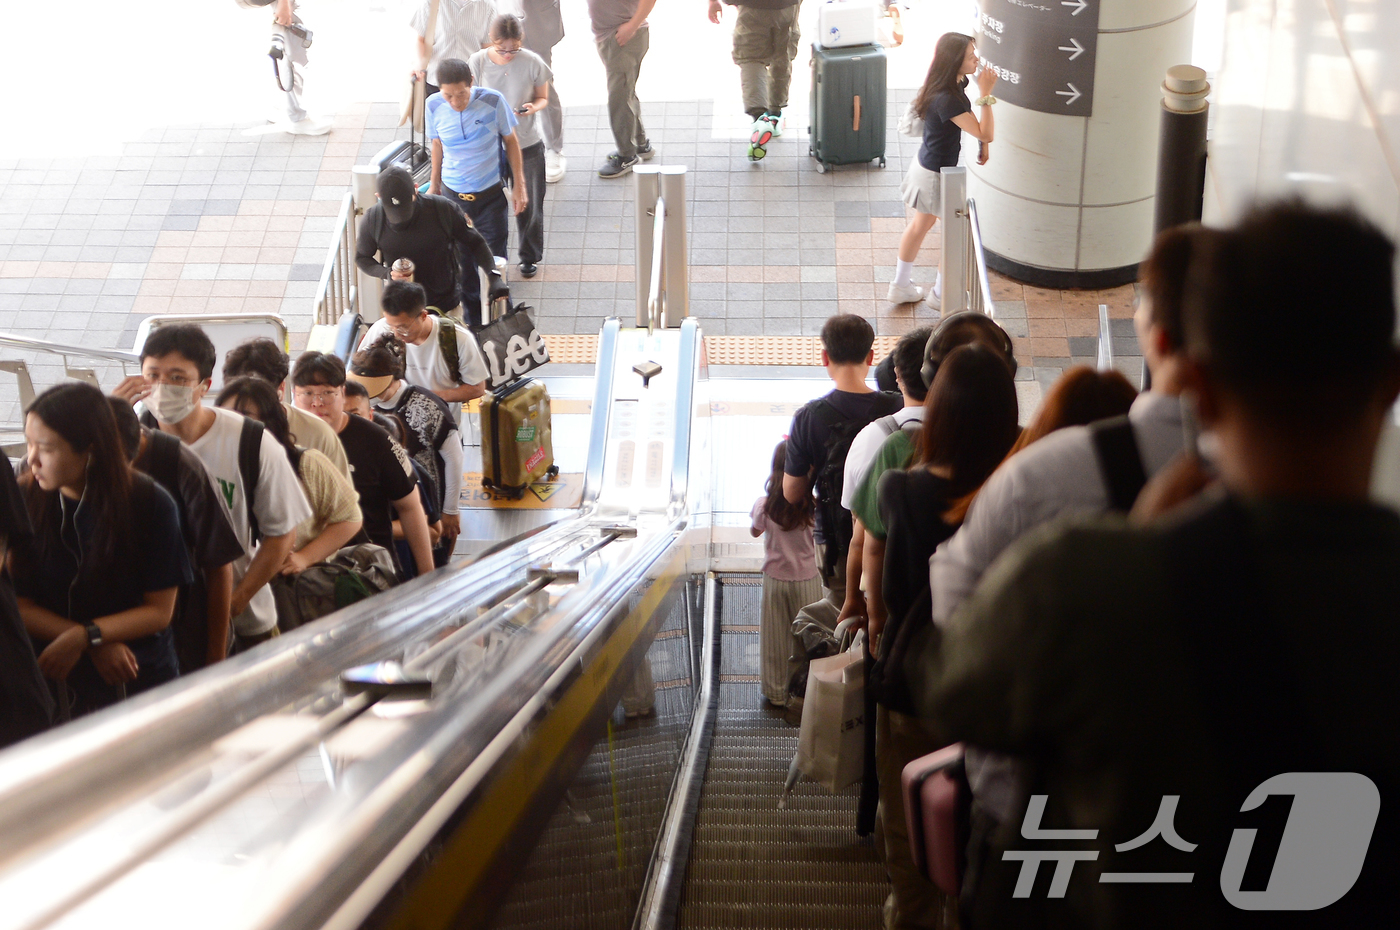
<point>662,277</point>
<point>980,285</point>
<point>1105,359</point>
<point>963,263</point>
<point>337,293</point>
<point>26,344</point>
<point>656,288</point>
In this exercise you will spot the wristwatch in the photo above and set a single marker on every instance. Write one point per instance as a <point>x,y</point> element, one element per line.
<point>984,101</point>
<point>94,635</point>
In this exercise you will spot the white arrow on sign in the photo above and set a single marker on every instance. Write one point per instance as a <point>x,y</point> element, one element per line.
<point>1073,93</point>
<point>1079,5</point>
<point>1075,47</point>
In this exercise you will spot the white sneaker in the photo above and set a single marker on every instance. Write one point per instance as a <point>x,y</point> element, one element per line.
<point>934,299</point>
<point>309,127</point>
<point>908,294</point>
<point>555,165</point>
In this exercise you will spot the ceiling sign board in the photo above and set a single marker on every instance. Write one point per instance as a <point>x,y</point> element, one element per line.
<point>1043,51</point>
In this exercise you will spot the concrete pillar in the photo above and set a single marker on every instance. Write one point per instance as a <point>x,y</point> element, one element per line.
<point>1067,201</point>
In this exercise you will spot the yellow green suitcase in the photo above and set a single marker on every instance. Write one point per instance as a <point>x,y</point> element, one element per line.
<point>516,446</point>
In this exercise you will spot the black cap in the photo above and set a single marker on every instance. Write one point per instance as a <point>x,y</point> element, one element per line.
<point>396,191</point>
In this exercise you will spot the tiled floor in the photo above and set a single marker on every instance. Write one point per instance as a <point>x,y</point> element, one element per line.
<point>213,220</point>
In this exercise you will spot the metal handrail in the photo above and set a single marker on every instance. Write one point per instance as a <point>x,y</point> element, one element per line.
<point>336,293</point>
<point>1105,359</point>
<point>981,291</point>
<point>25,343</point>
<point>655,293</point>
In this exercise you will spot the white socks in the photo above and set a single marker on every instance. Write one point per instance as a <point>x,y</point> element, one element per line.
<point>903,273</point>
<point>937,284</point>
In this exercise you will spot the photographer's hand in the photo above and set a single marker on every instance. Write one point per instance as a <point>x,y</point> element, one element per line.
<point>284,13</point>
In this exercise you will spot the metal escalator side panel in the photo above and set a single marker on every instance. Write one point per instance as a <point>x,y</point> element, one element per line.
<point>509,791</point>
<point>661,894</point>
<point>602,407</point>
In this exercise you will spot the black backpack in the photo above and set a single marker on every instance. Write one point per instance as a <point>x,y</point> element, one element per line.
<point>835,519</point>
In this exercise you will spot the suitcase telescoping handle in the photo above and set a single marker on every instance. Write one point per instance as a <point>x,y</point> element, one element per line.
<point>855,123</point>
<point>500,307</point>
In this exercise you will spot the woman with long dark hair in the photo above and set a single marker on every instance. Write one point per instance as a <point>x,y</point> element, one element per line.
<point>1077,398</point>
<point>790,580</point>
<point>335,509</point>
<point>969,424</point>
<point>97,588</point>
<point>947,113</point>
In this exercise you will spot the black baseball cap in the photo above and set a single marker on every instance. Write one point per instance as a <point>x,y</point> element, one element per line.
<point>396,192</point>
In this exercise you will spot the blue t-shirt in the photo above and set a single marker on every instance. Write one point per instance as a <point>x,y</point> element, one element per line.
<point>471,145</point>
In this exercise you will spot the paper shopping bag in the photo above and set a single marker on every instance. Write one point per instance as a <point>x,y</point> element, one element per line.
<point>831,744</point>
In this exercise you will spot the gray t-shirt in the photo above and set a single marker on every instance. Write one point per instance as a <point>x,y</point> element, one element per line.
<point>516,80</point>
<point>607,15</point>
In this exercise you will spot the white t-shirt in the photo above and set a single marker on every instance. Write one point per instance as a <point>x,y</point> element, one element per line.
<point>424,364</point>
<point>865,447</point>
<point>280,505</point>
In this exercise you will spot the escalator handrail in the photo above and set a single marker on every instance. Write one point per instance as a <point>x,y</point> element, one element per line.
<point>602,409</point>
<point>685,400</point>
<point>80,766</point>
<point>468,740</point>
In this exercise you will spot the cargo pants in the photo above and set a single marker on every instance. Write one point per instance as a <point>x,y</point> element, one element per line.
<point>622,64</point>
<point>917,903</point>
<point>765,44</point>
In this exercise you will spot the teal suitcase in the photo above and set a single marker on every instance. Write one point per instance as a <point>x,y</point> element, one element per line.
<point>848,105</point>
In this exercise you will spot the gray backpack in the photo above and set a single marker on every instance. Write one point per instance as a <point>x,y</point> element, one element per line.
<point>351,575</point>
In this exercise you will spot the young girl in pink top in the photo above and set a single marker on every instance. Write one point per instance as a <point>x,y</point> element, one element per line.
<point>790,579</point>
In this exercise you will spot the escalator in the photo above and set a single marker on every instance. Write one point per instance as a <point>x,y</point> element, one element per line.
<point>594,751</point>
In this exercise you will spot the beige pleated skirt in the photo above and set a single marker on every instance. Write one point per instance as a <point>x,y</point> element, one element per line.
<point>781,602</point>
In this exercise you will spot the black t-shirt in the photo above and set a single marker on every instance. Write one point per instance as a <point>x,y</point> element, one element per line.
<point>210,540</point>
<point>379,477</point>
<point>806,448</point>
<point>63,576</point>
<point>426,240</point>
<point>26,707</point>
<point>942,137</point>
<point>911,507</point>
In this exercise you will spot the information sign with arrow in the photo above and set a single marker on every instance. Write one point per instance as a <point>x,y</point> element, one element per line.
<point>1043,51</point>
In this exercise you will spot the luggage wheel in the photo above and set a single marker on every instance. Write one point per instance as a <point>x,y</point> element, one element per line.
<point>882,161</point>
<point>821,167</point>
<point>552,472</point>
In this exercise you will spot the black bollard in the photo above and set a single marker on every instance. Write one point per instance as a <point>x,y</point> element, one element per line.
<point>1181,151</point>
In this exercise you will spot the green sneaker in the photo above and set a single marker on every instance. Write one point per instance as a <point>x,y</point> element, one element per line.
<point>759,138</point>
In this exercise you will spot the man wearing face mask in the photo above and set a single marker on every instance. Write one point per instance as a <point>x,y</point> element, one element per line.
<point>424,228</point>
<point>246,465</point>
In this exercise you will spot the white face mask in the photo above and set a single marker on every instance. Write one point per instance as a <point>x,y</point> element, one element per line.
<point>171,403</point>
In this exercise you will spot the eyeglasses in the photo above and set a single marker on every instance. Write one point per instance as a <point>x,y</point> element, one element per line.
<point>507,51</point>
<point>174,380</point>
<point>317,398</point>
